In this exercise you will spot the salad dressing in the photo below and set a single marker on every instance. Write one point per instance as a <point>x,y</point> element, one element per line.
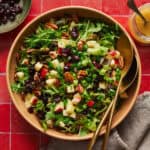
<point>137,28</point>
<point>144,28</point>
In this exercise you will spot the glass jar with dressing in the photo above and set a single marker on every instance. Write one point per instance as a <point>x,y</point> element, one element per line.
<point>137,28</point>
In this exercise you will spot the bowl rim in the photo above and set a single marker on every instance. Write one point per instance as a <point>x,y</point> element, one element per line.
<point>74,137</point>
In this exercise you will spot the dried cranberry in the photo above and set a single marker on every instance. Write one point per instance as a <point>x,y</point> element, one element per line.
<point>43,72</point>
<point>59,51</point>
<point>90,103</point>
<point>59,110</point>
<point>34,101</point>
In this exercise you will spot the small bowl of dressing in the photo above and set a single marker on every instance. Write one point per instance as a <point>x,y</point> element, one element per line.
<point>139,30</point>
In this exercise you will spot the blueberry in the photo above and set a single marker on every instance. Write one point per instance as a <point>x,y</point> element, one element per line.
<point>66,68</point>
<point>66,52</point>
<point>57,99</point>
<point>18,9</point>
<point>1,11</point>
<point>12,18</point>
<point>31,109</point>
<point>75,58</point>
<point>12,2</point>
<point>31,70</point>
<point>6,6</point>
<point>74,33</point>
<point>45,99</point>
<point>17,1</point>
<point>7,12</point>
<point>41,115</point>
<point>4,20</point>
<point>12,9</point>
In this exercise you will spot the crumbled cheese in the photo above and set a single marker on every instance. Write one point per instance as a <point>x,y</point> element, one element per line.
<point>61,124</point>
<point>20,75</point>
<point>38,66</point>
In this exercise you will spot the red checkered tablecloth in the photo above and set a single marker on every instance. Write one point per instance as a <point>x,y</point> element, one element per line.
<point>15,132</point>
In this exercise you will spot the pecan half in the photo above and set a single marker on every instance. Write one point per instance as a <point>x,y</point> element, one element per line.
<point>81,74</point>
<point>51,26</point>
<point>68,77</point>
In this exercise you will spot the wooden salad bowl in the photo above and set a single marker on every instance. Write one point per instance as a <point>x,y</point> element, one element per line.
<point>127,103</point>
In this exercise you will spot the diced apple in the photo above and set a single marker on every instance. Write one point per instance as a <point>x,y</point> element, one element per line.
<point>73,115</point>
<point>55,63</point>
<point>53,54</point>
<point>50,82</point>
<point>76,99</point>
<point>53,73</point>
<point>102,85</point>
<point>29,99</point>
<point>59,107</point>
<point>70,108</point>
<point>50,123</point>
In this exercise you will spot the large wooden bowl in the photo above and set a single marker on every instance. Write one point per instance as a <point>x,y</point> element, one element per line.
<point>28,29</point>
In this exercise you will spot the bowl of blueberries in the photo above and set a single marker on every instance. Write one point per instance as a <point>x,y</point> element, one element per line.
<point>13,13</point>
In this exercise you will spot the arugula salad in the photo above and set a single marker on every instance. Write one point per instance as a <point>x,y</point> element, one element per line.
<point>67,72</point>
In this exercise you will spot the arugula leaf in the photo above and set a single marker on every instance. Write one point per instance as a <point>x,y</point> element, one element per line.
<point>50,115</point>
<point>39,106</point>
<point>43,38</point>
<point>95,27</point>
<point>17,87</point>
<point>83,131</point>
<point>44,125</point>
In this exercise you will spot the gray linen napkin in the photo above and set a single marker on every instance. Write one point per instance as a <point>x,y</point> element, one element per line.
<point>132,134</point>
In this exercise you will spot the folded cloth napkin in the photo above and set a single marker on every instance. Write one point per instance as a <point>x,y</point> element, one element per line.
<point>132,134</point>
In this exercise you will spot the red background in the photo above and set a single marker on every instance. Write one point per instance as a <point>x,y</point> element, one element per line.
<point>17,134</point>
